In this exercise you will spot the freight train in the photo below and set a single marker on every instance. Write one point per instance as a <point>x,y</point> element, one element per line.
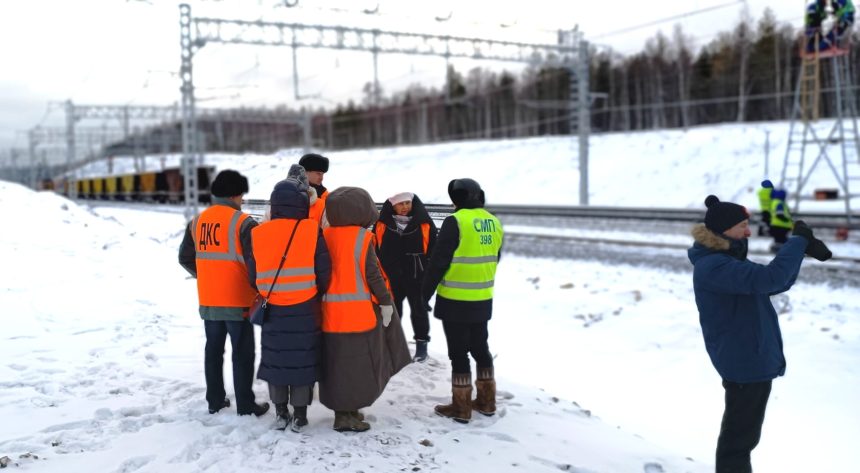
<point>165,186</point>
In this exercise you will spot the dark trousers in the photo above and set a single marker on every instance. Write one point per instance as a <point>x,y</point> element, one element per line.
<point>417,310</point>
<point>465,339</point>
<point>764,227</point>
<point>779,234</point>
<point>741,427</point>
<point>242,341</point>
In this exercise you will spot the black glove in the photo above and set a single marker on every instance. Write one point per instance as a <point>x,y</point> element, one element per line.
<point>816,248</point>
<point>803,230</point>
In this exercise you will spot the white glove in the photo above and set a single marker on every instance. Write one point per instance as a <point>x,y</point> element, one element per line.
<point>387,312</point>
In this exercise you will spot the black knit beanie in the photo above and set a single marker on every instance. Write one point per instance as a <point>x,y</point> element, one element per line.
<point>722,216</point>
<point>314,162</point>
<point>229,183</point>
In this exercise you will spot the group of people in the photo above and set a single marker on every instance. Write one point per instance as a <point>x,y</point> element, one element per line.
<point>828,25</point>
<point>331,273</point>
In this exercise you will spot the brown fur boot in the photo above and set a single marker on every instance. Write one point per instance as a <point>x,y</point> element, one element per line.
<point>485,400</point>
<point>460,408</point>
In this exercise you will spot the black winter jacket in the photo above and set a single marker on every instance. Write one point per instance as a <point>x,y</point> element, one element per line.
<point>450,310</point>
<point>402,253</point>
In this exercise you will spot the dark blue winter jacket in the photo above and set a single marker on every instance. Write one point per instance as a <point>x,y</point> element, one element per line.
<point>739,323</point>
<point>291,339</point>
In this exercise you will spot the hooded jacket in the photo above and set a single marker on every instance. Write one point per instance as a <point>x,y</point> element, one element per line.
<point>739,323</point>
<point>404,254</point>
<point>357,366</point>
<point>291,341</point>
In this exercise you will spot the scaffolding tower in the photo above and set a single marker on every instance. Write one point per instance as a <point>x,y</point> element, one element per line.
<point>810,142</point>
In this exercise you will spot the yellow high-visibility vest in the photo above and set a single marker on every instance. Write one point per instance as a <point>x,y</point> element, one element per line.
<point>764,198</point>
<point>776,222</point>
<point>472,273</point>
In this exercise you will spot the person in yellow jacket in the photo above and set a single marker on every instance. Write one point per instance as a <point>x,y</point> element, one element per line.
<point>764,205</point>
<point>781,222</point>
<point>316,166</point>
<point>212,251</point>
<point>462,272</point>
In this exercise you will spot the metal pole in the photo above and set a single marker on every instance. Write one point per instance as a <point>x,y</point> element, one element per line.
<point>766,154</point>
<point>307,132</point>
<point>31,139</point>
<point>584,119</point>
<point>375,71</point>
<point>843,181</point>
<point>70,149</point>
<point>189,122</point>
<point>295,68</point>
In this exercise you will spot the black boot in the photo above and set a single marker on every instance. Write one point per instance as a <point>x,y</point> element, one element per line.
<point>257,410</point>
<point>420,351</point>
<point>224,404</point>
<point>282,415</point>
<point>300,418</point>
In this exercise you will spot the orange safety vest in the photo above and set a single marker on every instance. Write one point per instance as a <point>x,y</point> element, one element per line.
<point>222,278</point>
<point>316,210</point>
<point>347,306</point>
<point>297,280</point>
<point>425,234</point>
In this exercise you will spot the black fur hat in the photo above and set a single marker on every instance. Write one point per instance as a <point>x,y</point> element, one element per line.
<point>722,216</point>
<point>314,162</point>
<point>229,183</point>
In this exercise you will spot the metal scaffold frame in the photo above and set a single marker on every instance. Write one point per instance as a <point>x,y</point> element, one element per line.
<point>844,133</point>
<point>571,50</point>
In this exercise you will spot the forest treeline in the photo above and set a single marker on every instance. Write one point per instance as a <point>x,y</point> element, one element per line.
<point>748,73</point>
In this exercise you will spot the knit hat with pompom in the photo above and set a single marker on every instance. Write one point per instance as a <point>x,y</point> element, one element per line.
<point>722,216</point>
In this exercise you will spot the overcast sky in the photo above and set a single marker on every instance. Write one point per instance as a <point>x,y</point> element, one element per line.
<point>127,52</point>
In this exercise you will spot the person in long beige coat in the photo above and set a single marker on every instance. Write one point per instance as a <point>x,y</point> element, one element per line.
<point>363,340</point>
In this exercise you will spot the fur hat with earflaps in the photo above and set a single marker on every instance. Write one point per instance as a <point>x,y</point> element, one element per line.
<point>314,162</point>
<point>229,183</point>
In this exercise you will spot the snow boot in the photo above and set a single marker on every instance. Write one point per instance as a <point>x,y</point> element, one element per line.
<point>258,410</point>
<point>344,421</point>
<point>282,415</point>
<point>485,400</point>
<point>300,419</point>
<point>357,414</point>
<point>460,408</point>
<point>420,351</point>
<point>224,404</point>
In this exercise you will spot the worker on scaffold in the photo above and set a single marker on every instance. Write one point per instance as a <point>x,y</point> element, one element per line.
<point>828,23</point>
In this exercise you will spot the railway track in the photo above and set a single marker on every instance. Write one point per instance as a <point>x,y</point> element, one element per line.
<point>651,252</point>
<point>814,219</point>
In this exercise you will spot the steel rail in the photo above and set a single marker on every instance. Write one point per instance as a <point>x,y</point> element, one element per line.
<point>814,219</point>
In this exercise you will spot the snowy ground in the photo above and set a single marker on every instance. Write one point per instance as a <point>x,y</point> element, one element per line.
<point>102,371</point>
<point>601,366</point>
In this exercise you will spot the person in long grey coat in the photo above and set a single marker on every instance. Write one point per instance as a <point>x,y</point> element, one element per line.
<point>363,341</point>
